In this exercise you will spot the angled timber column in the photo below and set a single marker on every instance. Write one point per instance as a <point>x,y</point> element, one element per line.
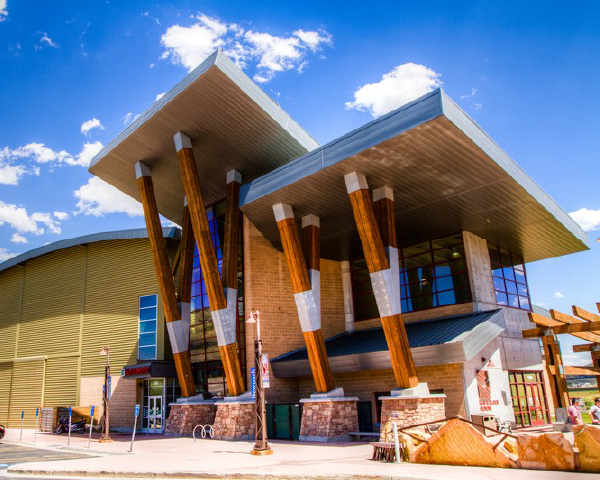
<point>306,294</point>
<point>223,320</point>
<point>178,327</point>
<point>186,258</point>
<point>377,231</point>
<point>558,381</point>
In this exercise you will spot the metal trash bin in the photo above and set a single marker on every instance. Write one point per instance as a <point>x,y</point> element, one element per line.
<point>484,420</point>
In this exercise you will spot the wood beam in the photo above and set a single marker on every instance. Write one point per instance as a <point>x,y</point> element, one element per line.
<point>377,232</point>
<point>549,322</point>
<point>562,329</point>
<point>224,318</point>
<point>186,257</point>
<point>573,370</point>
<point>586,347</point>
<point>596,365</point>
<point>564,318</point>
<point>585,315</point>
<point>306,286</point>
<point>178,327</point>
<point>555,372</point>
<point>233,228</point>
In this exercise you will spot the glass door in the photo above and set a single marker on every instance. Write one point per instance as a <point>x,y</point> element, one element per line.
<point>155,415</point>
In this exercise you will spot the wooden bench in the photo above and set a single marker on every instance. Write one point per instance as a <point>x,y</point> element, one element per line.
<point>359,435</point>
<point>383,452</point>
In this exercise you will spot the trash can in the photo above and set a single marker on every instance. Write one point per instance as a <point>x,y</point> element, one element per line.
<point>484,420</point>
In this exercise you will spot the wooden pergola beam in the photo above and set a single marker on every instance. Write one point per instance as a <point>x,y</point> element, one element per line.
<point>549,322</point>
<point>585,315</point>
<point>377,232</point>
<point>555,372</point>
<point>224,319</point>
<point>306,286</point>
<point>177,326</point>
<point>562,329</point>
<point>586,347</point>
<point>573,370</point>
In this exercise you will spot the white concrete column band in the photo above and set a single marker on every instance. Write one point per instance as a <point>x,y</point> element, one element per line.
<point>182,141</point>
<point>355,181</point>
<point>383,192</point>
<point>234,176</point>
<point>348,296</point>
<point>142,170</point>
<point>308,220</point>
<point>282,211</point>
<point>179,330</point>
<point>224,320</point>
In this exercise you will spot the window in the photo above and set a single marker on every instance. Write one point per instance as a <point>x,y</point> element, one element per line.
<point>432,274</point>
<point>510,280</point>
<point>484,388</point>
<point>210,376</point>
<point>147,322</point>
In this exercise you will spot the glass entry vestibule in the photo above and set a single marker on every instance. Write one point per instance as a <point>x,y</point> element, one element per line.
<point>158,394</point>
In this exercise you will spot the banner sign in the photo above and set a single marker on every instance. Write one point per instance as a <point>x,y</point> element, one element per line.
<point>253,377</point>
<point>92,411</point>
<point>22,413</point>
<point>265,370</point>
<point>69,411</point>
<point>137,410</point>
<point>109,394</point>
<point>37,411</point>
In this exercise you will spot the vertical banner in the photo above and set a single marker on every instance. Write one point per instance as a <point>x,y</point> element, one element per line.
<point>264,362</point>
<point>109,393</point>
<point>253,376</point>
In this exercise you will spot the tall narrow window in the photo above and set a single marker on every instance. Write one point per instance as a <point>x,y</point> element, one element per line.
<point>510,280</point>
<point>148,321</point>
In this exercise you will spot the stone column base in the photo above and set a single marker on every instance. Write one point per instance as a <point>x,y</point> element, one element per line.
<point>328,419</point>
<point>183,417</point>
<point>412,410</point>
<point>235,420</point>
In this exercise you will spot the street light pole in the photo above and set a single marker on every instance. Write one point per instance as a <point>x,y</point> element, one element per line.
<point>105,437</point>
<point>261,444</point>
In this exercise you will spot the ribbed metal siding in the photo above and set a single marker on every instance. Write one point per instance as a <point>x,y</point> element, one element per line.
<point>52,304</point>
<point>60,382</point>
<point>26,392</point>
<point>118,272</point>
<point>10,294</point>
<point>5,380</point>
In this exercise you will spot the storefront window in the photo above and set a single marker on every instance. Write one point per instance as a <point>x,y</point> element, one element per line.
<point>147,327</point>
<point>432,274</point>
<point>206,360</point>
<point>510,280</point>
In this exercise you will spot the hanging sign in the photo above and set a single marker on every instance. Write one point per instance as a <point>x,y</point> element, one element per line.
<point>265,370</point>
<point>253,377</point>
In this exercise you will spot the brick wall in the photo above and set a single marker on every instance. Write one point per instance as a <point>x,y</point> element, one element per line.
<point>124,397</point>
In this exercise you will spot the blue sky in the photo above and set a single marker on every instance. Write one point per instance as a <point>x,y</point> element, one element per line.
<point>75,73</point>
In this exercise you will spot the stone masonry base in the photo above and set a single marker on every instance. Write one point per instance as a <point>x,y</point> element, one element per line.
<point>235,421</point>
<point>412,410</point>
<point>328,420</point>
<point>183,418</point>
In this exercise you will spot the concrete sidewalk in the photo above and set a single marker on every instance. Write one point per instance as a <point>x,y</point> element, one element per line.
<point>164,457</point>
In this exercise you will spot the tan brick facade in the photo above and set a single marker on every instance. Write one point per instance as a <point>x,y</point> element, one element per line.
<point>125,395</point>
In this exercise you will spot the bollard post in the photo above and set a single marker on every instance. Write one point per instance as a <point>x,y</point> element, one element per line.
<point>22,421</point>
<point>137,412</point>
<point>91,425</point>
<point>396,443</point>
<point>69,438</point>
<point>37,411</point>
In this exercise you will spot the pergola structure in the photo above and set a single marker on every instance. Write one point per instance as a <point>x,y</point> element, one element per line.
<point>583,325</point>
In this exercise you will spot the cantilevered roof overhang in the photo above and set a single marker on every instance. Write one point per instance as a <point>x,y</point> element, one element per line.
<point>233,124</point>
<point>448,175</point>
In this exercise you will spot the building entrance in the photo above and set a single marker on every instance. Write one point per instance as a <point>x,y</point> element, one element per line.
<point>528,398</point>
<point>153,413</point>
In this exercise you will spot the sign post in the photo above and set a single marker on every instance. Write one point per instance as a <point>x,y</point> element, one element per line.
<point>37,413</point>
<point>396,443</point>
<point>137,412</point>
<point>69,438</point>
<point>22,421</point>
<point>91,425</point>
<point>253,377</point>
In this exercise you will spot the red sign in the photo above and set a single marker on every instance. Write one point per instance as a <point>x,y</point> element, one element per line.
<point>137,370</point>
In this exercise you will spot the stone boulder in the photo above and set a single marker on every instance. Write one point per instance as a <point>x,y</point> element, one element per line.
<point>549,451</point>
<point>587,441</point>
<point>458,443</point>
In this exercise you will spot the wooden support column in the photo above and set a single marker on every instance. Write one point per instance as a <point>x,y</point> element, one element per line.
<point>177,326</point>
<point>377,232</point>
<point>596,363</point>
<point>186,258</point>
<point>225,323</point>
<point>555,371</point>
<point>306,285</point>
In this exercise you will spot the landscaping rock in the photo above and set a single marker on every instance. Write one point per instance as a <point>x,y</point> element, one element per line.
<point>587,441</point>
<point>550,451</point>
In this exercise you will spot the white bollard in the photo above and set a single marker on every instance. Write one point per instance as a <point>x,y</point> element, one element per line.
<point>396,443</point>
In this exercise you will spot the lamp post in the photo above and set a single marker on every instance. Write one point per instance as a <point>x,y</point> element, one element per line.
<point>105,437</point>
<point>261,444</point>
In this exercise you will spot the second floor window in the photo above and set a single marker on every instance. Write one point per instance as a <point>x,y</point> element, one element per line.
<point>147,322</point>
<point>510,280</point>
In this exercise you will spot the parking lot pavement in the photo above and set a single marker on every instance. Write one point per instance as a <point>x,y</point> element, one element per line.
<point>11,453</point>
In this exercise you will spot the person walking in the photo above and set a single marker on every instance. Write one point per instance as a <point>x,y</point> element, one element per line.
<point>595,411</point>
<point>574,413</point>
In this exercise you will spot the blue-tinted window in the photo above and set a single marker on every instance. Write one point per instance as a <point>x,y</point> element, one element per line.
<point>510,280</point>
<point>147,327</point>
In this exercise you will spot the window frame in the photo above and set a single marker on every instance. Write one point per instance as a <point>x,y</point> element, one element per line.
<point>140,321</point>
<point>502,280</point>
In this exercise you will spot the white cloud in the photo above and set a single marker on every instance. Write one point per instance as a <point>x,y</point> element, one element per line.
<point>3,10</point>
<point>16,238</point>
<point>90,125</point>
<point>397,87</point>
<point>18,218</point>
<point>478,106</point>
<point>189,46</point>
<point>574,359</point>
<point>61,215</point>
<point>98,198</point>
<point>5,254</point>
<point>588,220</point>
<point>147,15</point>
<point>130,117</point>
<point>558,295</point>
<point>39,153</point>
<point>47,40</point>
<point>88,151</point>
<point>11,174</point>
<point>159,96</point>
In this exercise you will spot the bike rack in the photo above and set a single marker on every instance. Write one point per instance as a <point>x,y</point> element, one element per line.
<point>206,430</point>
